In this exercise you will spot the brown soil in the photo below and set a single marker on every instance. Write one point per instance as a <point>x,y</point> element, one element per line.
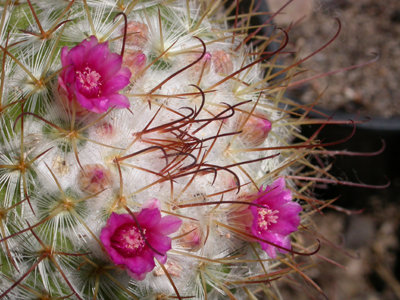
<point>368,27</point>
<point>366,250</point>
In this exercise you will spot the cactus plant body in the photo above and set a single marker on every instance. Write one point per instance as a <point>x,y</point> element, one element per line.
<point>146,152</point>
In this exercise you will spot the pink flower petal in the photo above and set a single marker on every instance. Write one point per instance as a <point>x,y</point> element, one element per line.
<point>90,42</point>
<point>100,105</point>
<point>64,57</point>
<point>97,56</point>
<point>76,57</point>
<point>159,242</point>
<point>148,218</point>
<point>152,204</point>
<point>117,258</point>
<point>276,239</point>
<point>168,225</point>
<point>110,66</point>
<point>117,220</point>
<point>118,101</point>
<point>140,266</point>
<point>84,102</point>
<point>114,85</point>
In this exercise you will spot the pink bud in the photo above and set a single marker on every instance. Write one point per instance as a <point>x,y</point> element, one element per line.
<point>104,129</point>
<point>68,104</point>
<point>222,62</point>
<point>255,131</point>
<point>135,61</point>
<point>203,64</point>
<point>192,238</point>
<point>172,268</point>
<point>240,217</point>
<point>94,178</point>
<point>137,34</point>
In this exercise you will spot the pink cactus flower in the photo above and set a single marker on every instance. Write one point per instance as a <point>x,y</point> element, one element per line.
<point>127,243</point>
<point>93,76</point>
<point>277,220</point>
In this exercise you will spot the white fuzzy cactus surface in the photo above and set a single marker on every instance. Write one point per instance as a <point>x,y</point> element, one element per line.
<point>147,152</point>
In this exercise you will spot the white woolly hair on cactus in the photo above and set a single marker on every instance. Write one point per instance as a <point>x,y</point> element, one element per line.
<point>146,152</point>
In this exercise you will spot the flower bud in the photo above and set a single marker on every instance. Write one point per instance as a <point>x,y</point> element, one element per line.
<point>137,34</point>
<point>94,178</point>
<point>135,61</point>
<point>172,268</point>
<point>104,130</point>
<point>255,131</point>
<point>240,216</point>
<point>222,62</point>
<point>201,66</point>
<point>192,238</point>
<point>67,104</point>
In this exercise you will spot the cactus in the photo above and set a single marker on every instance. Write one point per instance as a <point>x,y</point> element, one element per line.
<point>146,152</point>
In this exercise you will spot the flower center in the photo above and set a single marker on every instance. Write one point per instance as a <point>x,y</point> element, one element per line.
<point>127,240</point>
<point>90,82</point>
<point>265,217</point>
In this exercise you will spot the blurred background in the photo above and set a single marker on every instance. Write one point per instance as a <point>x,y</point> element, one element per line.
<point>368,243</point>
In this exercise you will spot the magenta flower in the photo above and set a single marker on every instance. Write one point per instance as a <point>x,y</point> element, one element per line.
<point>277,220</point>
<point>94,76</point>
<point>127,246</point>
